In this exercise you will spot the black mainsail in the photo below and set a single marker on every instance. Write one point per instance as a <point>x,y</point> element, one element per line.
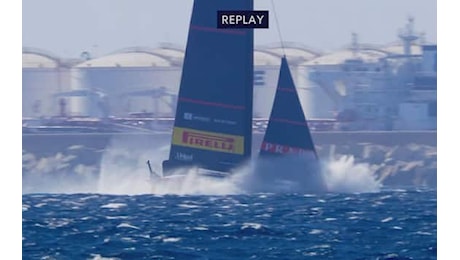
<point>287,151</point>
<point>213,122</point>
<point>287,130</point>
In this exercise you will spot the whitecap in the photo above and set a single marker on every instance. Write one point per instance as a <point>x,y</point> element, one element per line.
<point>89,197</point>
<point>159,237</point>
<point>242,205</point>
<point>385,197</point>
<point>55,223</point>
<point>113,205</point>
<point>171,239</point>
<point>251,225</point>
<point>75,147</point>
<point>320,246</point>
<point>190,206</point>
<point>201,228</point>
<point>424,233</point>
<point>315,231</point>
<point>116,217</point>
<point>99,257</point>
<point>265,215</point>
<point>128,239</point>
<point>386,220</point>
<point>126,225</point>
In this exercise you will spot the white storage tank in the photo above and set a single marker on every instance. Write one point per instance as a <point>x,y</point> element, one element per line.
<point>146,81</point>
<point>315,101</point>
<point>42,77</point>
<point>134,80</point>
<point>267,60</point>
<point>266,72</point>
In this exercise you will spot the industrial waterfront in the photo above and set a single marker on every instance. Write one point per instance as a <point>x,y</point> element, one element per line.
<point>380,96</point>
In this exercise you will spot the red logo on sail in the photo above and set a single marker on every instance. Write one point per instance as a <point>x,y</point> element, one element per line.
<point>210,141</point>
<point>283,149</point>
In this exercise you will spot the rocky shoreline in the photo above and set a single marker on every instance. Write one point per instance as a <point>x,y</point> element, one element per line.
<point>411,165</point>
<point>393,159</point>
<point>393,166</point>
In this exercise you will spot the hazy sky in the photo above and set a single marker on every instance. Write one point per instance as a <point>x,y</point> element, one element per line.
<point>66,28</point>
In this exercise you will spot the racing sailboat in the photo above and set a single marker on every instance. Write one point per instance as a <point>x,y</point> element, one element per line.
<point>213,121</point>
<point>287,154</point>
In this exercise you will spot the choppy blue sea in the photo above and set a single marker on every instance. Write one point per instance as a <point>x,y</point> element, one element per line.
<point>390,224</point>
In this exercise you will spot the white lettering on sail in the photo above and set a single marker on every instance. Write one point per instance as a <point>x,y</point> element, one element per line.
<point>191,116</point>
<point>188,116</point>
<point>184,157</point>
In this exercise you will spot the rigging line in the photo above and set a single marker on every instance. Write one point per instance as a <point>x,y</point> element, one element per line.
<point>278,28</point>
